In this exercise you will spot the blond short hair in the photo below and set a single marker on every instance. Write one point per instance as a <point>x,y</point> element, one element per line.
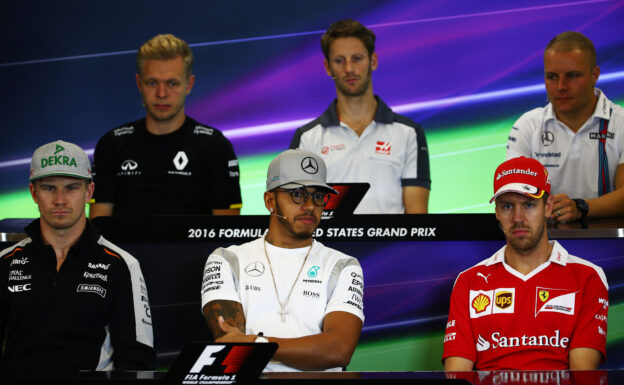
<point>164,47</point>
<point>571,40</point>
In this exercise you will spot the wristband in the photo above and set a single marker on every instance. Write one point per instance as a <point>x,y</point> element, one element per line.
<point>260,338</point>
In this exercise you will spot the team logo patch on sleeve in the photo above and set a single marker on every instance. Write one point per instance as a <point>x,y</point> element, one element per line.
<point>554,300</point>
<point>487,302</point>
<point>201,130</point>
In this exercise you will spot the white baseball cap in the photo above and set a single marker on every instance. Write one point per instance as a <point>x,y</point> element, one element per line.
<point>297,168</point>
<point>60,158</point>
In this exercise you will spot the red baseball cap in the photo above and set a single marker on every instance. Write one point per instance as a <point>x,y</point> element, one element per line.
<point>523,176</point>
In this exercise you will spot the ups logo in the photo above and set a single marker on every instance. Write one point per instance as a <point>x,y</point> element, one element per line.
<point>504,299</point>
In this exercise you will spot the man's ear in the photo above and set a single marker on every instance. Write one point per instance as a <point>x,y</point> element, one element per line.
<point>374,62</point>
<point>189,85</point>
<point>549,206</point>
<point>269,201</point>
<point>89,192</point>
<point>595,74</point>
<point>32,188</point>
<point>328,69</point>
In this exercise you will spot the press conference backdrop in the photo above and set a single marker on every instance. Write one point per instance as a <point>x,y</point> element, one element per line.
<point>465,70</point>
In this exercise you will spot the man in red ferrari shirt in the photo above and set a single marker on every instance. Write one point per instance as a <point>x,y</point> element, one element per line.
<point>531,305</point>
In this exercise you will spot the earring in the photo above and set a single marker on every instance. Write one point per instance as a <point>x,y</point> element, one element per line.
<point>271,209</point>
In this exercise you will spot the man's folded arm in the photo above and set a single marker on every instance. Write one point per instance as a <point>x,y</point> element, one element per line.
<point>331,348</point>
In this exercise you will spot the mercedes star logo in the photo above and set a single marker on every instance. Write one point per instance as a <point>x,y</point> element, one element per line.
<point>309,165</point>
<point>547,138</point>
<point>255,269</point>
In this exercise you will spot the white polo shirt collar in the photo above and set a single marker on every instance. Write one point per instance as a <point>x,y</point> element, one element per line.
<point>602,110</point>
<point>558,255</point>
<point>330,117</point>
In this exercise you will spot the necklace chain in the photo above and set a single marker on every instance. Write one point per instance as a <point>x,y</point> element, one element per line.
<point>282,312</point>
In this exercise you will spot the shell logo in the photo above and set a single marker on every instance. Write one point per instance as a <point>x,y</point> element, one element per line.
<point>480,303</point>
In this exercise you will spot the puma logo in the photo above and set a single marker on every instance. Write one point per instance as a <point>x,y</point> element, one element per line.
<point>483,276</point>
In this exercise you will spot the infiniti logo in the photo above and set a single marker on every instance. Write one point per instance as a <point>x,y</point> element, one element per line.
<point>129,165</point>
<point>255,269</point>
<point>309,165</point>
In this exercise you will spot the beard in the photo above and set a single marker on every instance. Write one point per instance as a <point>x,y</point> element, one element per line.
<point>526,244</point>
<point>361,90</point>
<point>289,226</point>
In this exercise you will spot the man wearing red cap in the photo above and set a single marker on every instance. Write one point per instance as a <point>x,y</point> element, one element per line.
<point>531,305</point>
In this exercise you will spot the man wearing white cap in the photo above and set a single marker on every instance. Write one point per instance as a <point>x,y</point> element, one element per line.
<point>70,299</point>
<point>532,305</point>
<point>287,287</point>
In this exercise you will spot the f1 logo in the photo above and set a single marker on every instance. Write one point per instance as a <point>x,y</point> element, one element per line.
<point>206,358</point>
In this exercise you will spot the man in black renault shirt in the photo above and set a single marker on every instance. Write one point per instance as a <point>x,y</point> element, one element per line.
<point>166,163</point>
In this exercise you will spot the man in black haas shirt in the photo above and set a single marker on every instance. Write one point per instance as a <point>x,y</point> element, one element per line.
<point>166,163</point>
<point>70,299</point>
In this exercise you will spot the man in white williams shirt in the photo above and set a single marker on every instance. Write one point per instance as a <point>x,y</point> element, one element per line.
<point>578,136</point>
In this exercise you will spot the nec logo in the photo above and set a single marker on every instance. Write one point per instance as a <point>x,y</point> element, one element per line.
<point>19,288</point>
<point>235,358</point>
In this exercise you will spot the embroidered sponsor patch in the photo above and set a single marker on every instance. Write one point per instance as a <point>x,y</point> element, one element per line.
<point>89,288</point>
<point>554,300</point>
<point>450,337</point>
<point>123,131</point>
<point>382,147</point>
<point>487,302</point>
<point>200,130</point>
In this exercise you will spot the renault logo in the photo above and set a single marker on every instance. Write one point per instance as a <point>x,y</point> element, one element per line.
<point>309,165</point>
<point>180,160</point>
<point>255,269</point>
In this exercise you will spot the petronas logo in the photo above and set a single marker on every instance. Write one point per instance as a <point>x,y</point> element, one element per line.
<point>59,148</point>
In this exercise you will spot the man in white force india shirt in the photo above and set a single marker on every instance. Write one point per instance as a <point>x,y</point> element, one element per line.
<point>578,136</point>
<point>532,305</point>
<point>287,287</point>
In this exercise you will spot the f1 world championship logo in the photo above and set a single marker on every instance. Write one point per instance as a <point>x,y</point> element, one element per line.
<point>232,362</point>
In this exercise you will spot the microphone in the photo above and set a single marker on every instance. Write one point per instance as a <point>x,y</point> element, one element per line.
<point>277,215</point>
